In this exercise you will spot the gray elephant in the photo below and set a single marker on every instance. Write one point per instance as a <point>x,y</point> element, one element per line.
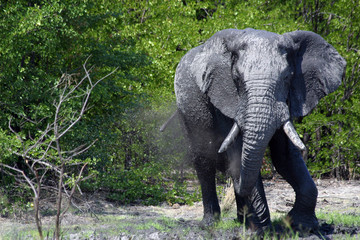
<point>237,94</point>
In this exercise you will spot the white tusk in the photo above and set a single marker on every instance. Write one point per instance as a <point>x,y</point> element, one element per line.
<point>293,136</point>
<point>230,138</point>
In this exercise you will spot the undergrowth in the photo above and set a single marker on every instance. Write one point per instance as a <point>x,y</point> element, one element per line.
<point>155,188</point>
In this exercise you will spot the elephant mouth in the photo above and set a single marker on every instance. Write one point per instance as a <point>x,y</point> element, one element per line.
<point>288,128</point>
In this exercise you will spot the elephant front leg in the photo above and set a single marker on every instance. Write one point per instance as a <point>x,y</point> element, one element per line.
<point>289,163</point>
<point>206,171</point>
<point>254,210</point>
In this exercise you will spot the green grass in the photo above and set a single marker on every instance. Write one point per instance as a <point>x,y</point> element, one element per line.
<point>163,224</point>
<point>339,218</point>
<point>346,237</point>
<point>169,222</point>
<point>24,233</point>
<point>226,224</point>
<point>153,224</point>
<point>336,218</point>
<point>14,235</point>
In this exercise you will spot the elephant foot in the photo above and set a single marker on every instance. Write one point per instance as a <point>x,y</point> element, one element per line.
<point>209,220</point>
<point>303,222</point>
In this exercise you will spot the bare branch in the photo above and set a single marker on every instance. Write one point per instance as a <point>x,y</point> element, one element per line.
<point>47,150</point>
<point>81,81</point>
<point>39,161</point>
<point>73,190</point>
<point>85,102</point>
<point>43,175</point>
<point>31,184</point>
<point>87,72</point>
<point>109,74</point>
<point>81,149</point>
<point>39,141</point>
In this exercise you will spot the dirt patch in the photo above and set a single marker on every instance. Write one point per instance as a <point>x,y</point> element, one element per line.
<point>339,196</point>
<point>108,221</point>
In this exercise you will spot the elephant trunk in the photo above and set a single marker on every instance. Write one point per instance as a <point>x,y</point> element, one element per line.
<point>260,126</point>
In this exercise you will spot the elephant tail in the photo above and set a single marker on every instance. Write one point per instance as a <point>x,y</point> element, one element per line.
<point>163,127</point>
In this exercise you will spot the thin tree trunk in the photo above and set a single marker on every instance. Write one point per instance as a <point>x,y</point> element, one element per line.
<point>37,218</point>
<point>37,206</point>
<point>59,201</point>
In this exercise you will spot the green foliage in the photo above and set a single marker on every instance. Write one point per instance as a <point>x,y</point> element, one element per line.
<point>44,40</point>
<point>186,24</point>
<point>14,201</point>
<point>332,130</point>
<point>146,185</point>
<point>339,218</point>
<point>145,165</point>
<point>5,204</point>
<point>7,142</point>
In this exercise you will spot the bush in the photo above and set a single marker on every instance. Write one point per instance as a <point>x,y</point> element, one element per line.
<point>145,184</point>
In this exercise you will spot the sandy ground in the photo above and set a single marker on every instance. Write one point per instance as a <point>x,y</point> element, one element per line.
<point>339,196</point>
<point>152,222</point>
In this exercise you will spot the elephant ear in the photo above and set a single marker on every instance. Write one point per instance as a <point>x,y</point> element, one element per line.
<point>212,70</point>
<point>319,69</point>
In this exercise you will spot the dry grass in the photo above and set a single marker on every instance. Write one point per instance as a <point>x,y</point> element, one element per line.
<point>227,203</point>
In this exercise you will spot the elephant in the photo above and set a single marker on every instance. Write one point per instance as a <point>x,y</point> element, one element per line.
<point>239,93</point>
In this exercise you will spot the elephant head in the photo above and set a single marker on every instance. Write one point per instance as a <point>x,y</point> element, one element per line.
<point>262,80</point>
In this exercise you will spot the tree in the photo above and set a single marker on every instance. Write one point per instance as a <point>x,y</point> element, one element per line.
<point>45,154</point>
<point>332,130</point>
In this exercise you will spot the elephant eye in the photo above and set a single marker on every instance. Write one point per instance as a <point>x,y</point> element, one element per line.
<point>243,46</point>
<point>283,50</point>
<point>238,80</point>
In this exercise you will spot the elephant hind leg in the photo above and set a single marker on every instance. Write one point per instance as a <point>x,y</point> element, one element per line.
<point>289,163</point>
